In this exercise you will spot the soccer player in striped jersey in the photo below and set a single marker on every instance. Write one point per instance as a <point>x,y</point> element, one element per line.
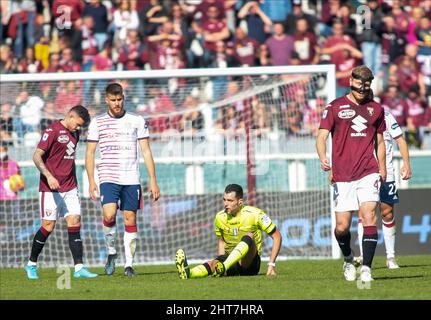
<point>388,192</point>
<point>119,134</point>
<point>58,190</point>
<point>239,230</point>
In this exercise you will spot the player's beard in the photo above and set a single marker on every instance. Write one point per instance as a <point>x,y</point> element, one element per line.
<point>361,97</point>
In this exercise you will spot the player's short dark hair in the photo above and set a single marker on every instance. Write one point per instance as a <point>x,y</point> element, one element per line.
<point>362,72</point>
<point>114,89</point>
<point>235,188</point>
<point>82,112</point>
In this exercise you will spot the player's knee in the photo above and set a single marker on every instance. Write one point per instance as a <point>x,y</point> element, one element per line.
<point>212,265</point>
<point>387,215</point>
<point>248,238</point>
<point>341,230</point>
<point>48,225</point>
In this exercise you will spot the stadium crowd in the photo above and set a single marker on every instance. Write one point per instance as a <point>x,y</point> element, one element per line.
<point>393,38</point>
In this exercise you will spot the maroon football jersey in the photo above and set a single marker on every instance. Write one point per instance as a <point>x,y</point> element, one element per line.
<point>59,145</point>
<point>353,128</point>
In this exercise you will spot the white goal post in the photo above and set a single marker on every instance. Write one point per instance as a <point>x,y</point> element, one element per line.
<point>209,127</point>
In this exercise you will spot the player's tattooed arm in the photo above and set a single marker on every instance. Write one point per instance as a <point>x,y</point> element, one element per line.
<point>38,161</point>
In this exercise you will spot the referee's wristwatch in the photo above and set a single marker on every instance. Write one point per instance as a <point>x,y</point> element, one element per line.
<point>271,264</point>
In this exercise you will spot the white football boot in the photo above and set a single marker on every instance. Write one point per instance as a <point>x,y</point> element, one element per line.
<point>349,271</point>
<point>392,264</point>
<point>366,274</point>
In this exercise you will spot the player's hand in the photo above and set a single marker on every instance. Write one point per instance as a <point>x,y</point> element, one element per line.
<point>406,172</point>
<point>53,183</point>
<point>93,190</point>
<point>383,176</point>
<point>271,271</point>
<point>324,164</point>
<point>331,178</point>
<point>154,190</point>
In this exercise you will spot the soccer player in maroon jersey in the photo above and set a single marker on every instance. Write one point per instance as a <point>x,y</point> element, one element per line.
<point>58,196</point>
<point>356,123</point>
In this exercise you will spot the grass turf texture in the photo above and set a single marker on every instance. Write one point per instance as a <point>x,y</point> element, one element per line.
<point>297,279</point>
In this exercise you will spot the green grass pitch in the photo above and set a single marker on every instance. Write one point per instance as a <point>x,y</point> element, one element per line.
<point>297,279</point>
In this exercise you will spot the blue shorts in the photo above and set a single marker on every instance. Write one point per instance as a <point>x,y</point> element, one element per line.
<point>129,196</point>
<point>389,193</point>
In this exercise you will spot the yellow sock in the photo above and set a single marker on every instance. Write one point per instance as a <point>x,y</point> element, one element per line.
<point>237,254</point>
<point>198,272</point>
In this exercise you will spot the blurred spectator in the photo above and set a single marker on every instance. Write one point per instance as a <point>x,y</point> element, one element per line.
<point>66,12</point>
<point>54,63</point>
<point>102,62</point>
<point>290,23</point>
<point>305,43</point>
<point>8,168</point>
<point>261,117</point>
<point>416,117</point>
<point>392,45</point>
<point>97,10</point>
<point>153,16</point>
<point>423,33</point>
<point>192,120</point>
<point>401,17</point>
<point>292,118</point>
<point>180,24</point>
<point>41,52</point>
<point>158,102</point>
<point>6,121</point>
<point>312,116</point>
<point>277,10</point>
<point>392,101</point>
<point>245,48</point>
<point>166,48</point>
<point>125,19</point>
<point>213,29</point>
<point>264,58</point>
<point>344,54</point>
<point>29,64</point>
<point>280,46</point>
<point>257,22</point>
<point>344,15</point>
<point>329,13</point>
<point>7,61</point>
<point>201,11</point>
<point>415,16</point>
<point>48,115</point>
<point>67,64</point>
<point>21,25</point>
<point>230,122</point>
<point>371,40</point>
<point>69,94</point>
<point>408,74</point>
<point>29,109</point>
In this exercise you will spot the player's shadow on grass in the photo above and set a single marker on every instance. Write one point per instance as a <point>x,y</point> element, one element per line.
<point>407,266</point>
<point>398,277</point>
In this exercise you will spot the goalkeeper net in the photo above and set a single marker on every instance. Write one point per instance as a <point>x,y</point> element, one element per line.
<point>209,128</point>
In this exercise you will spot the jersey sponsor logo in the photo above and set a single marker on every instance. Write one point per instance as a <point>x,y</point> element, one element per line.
<point>70,151</point>
<point>45,136</point>
<point>370,111</point>
<point>62,131</point>
<point>235,231</point>
<point>48,130</point>
<point>265,220</point>
<point>48,212</point>
<point>359,126</point>
<point>344,106</point>
<point>63,138</point>
<point>346,114</point>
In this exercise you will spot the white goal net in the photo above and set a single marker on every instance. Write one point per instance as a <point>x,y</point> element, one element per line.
<point>209,128</point>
